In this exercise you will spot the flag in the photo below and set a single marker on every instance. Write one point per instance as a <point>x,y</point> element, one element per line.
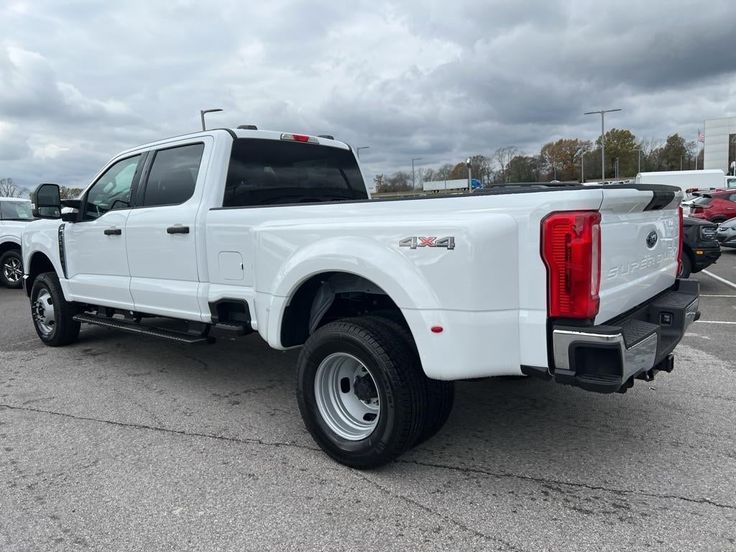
<point>701,136</point>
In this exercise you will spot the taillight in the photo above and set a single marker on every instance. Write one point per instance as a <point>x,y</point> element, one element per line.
<point>682,231</point>
<point>571,249</point>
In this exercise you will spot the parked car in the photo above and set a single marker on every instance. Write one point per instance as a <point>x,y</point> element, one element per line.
<point>717,206</point>
<point>726,233</point>
<point>700,247</point>
<point>275,232</point>
<point>15,214</point>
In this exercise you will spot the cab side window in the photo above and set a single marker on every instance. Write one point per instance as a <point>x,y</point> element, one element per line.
<point>112,190</point>
<point>173,175</point>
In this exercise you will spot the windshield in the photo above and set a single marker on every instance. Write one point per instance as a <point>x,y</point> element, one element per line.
<point>15,210</point>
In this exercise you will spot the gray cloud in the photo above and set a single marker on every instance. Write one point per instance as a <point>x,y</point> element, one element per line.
<point>435,79</point>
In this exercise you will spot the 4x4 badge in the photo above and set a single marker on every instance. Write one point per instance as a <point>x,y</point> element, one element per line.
<point>413,242</point>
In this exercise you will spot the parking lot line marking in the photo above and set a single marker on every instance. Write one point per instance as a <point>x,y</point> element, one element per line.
<point>722,280</point>
<point>716,295</point>
<point>717,322</point>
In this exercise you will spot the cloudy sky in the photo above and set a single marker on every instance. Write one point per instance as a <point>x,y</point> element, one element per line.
<point>81,80</point>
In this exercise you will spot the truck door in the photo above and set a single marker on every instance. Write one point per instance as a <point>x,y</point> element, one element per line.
<point>161,232</point>
<point>97,266</point>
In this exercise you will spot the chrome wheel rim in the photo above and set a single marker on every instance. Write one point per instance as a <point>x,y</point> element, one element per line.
<point>347,396</point>
<point>44,314</point>
<point>13,270</point>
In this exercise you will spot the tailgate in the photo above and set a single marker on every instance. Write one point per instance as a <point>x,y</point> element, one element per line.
<point>639,246</point>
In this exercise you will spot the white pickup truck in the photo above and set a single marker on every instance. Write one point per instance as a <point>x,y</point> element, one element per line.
<point>390,300</point>
<point>15,214</point>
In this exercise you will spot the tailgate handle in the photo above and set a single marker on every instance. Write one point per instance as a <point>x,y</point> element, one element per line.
<point>113,232</point>
<point>178,229</point>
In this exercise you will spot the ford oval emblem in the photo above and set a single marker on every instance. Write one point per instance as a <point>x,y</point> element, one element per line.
<point>652,240</point>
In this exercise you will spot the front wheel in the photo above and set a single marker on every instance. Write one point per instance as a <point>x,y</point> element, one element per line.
<point>53,316</point>
<point>360,393</point>
<point>686,266</point>
<point>11,269</point>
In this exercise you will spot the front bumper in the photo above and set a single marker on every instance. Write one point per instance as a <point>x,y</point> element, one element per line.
<point>726,237</point>
<point>703,257</point>
<point>608,357</point>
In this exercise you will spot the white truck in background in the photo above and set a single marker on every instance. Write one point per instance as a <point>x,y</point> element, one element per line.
<point>275,233</point>
<point>687,181</point>
<point>15,214</point>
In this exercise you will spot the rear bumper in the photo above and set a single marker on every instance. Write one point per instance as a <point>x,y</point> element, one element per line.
<point>608,357</point>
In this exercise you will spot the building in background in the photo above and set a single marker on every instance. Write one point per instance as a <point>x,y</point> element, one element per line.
<point>720,144</point>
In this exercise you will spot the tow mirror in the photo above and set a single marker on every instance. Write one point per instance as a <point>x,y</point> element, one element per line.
<point>46,200</point>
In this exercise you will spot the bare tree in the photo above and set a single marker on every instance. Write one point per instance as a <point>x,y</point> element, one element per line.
<point>502,157</point>
<point>9,189</point>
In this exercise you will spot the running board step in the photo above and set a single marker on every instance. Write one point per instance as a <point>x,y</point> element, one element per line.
<point>134,327</point>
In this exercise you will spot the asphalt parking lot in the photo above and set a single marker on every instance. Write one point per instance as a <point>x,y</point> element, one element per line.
<point>128,443</point>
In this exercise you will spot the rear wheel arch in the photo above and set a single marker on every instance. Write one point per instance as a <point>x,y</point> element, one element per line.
<point>331,296</point>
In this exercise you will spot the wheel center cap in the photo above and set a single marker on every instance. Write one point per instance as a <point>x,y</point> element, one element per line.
<point>364,388</point>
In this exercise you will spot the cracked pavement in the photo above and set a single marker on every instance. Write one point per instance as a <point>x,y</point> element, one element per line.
<point>123,442</point>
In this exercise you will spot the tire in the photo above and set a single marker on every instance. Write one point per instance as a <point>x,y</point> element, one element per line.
<point>687,266</point>
<point>52,314</point>
<point>440,394</point>
<point>11,269</point>
<point>360,392</point>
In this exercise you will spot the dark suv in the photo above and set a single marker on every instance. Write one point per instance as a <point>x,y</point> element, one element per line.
<point>700,248</point>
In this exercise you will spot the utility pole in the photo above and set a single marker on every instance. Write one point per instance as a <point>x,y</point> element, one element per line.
<point>203,112</point>
<point>413,183</point>
<point>602,113</point>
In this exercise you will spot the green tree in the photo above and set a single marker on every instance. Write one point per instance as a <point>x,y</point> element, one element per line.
<point>562,158</point>
<point>621,145</point>
<point>523,168</point>
<point>674,153</point>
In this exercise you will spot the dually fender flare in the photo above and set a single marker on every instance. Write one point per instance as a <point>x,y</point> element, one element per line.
<point>388,269</point>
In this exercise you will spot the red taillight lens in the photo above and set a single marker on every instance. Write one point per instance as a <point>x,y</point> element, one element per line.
<point>571,249</point>
<point>682,231</point>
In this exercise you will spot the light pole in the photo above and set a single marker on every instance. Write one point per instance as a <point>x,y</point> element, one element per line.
<point>602,113</point>
<point>638,150</point>
<point>470,175</point>
<point>413,183</point>
<point>357,150</point>
<point>203,112</point>
<point>582,167</point>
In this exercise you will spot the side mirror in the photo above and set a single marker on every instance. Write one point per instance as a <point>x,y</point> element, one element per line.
<point>46,200</point>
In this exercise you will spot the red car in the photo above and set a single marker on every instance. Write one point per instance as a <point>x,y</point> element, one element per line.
<point>717,206</point>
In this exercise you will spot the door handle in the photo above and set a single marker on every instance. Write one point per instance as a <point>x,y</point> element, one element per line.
<point>178,229</point>
<point>113,232</point>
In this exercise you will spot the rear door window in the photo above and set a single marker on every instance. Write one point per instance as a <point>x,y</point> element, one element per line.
<point>173,175</point>
<point>273,172</point>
